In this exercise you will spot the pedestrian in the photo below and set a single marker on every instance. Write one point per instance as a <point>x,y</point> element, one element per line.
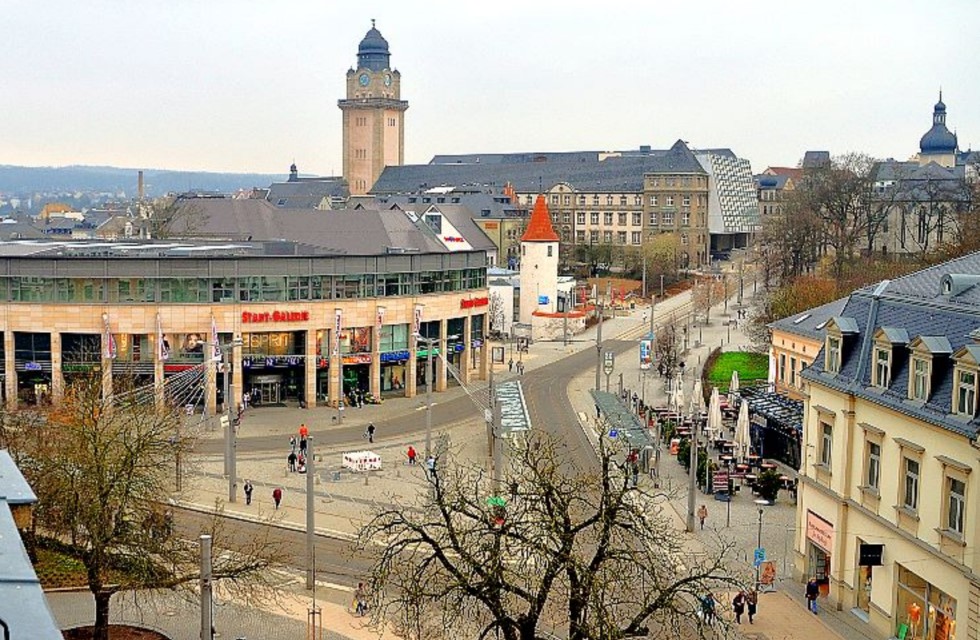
<point>248,493</point>
<point>702,515</point>
<point>812,591</point>
<point>708,608</point>
<point>411,455</point>
<point>430,467</point>
<point>291,460</point>
<point>510,365</point>
<point>635,468</point>
<point>277,496</point>
<point>752,601</point>
<point>245,399</point>
<point>302,445</point>
<point>370,432</point>
<point>360,599</point>
<point>292,443</point>
<point>738,606</point>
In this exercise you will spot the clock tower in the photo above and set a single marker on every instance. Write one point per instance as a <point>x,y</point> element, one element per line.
<point>374,115</point>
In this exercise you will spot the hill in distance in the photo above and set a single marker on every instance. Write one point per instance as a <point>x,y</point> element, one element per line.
<point>158,182</point>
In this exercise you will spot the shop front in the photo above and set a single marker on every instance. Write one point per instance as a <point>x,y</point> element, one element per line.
<point>273,369</point>
<point>924,611</point>
<point>131,369</point>
<point>355,349</point>
<point>819,548</point>
<point>394,359</point>
<point>476,341</point>
<point>455,345</point>
<point>32,362</point>
<point>81,356</point>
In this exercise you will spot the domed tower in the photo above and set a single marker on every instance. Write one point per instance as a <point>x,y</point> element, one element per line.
<point>939,143</point>
<point>374,115</point>
<point>539,265</point>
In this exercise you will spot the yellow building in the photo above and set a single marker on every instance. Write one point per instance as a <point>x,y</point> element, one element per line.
<point>374,115</point>
<point>888,518</point>
<point>794,344</point>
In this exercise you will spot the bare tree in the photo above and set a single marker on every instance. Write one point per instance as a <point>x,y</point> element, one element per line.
<point>498,320</point>
<point>101,468</point>
<point>171,217</point>
<point>587,551</point>
<point>666,351</point>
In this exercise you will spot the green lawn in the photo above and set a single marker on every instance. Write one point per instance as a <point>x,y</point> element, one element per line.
<point>750,367</point>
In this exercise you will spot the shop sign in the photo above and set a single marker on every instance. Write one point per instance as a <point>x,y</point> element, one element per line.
<point>395,356</point>
<point>321,363</point>
<point>177,368</point>
<point>80,368</point>
<point>249,317</point>
<point>819,532</point>
<point>424,353</point>
<point>490,225</point>
<point>471,303</point>
<point>32,366</point>
<point>357,359</point>
<point>870,555</point>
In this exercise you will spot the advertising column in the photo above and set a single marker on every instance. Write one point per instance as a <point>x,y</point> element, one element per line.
<point>57,375</point>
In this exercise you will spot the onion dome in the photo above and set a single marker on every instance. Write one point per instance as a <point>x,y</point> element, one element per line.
<point>373,52</point>
<point>938,140</point>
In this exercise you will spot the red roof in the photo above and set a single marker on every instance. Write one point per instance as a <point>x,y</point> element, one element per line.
<point>539,227</point>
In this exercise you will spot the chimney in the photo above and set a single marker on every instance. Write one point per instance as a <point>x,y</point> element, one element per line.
<point>139,185</point>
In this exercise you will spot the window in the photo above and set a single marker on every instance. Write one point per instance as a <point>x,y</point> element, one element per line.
<point>832,365</point>
<point>910,495</point>
<point>622,201</point>
<point>686,201</point>
<point>965,399</point>
<point>792,372</point>
<point>668,218</point>
<point>566,200</point>
<point>609,200</point>
<point>607,237</point>
<point>637,201</point>
<point>956,506</point>
<point>826,444</point>
<point>637,219</point>
<point>595,201</point>
<point>580,236</point>
<point>653,219</point>
<point>684,238</point>
<point>686,218</point>
<point>554,199</point>
<point>882,369</point>
<point>919,380</point>
<point>668,201</point>
<point>607,219</point>
<point>636,237</point>
<point>580,218</point>
<point>621,219</point>
<point>873,477</point>
<point>782,367</point>
<point>550,250</point>
<point>594,217</point>
<point>653,201</point>
<point>566,218</point>
<point>621,237</point>
<point>594,237</point>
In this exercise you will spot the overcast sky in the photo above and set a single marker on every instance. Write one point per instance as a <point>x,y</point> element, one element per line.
<point>249,85</point>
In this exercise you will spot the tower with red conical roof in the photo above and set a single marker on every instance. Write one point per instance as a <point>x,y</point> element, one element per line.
<point>539,266</point>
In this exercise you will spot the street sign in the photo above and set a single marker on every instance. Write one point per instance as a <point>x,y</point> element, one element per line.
<point>759,557</point>
<point>608,362</point>
<point>613,433</point>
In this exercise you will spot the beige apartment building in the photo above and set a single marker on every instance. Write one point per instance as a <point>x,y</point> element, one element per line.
<point>795,342</point>
<point>888,520</point>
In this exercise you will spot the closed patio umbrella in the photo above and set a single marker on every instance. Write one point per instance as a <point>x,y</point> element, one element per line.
<point>742,437</point>
<point>714,413</point>
<point>733,387</point>
<point>697,398</point>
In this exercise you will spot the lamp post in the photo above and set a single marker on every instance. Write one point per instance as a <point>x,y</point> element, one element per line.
<point>230,434</point>
<point>758,568</point>
<point>598,351</point>
<point>429,375</point>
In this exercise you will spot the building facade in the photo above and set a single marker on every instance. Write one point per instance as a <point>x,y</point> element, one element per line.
<point>373,115</point>
<point>794,344</point>
<point>888,517</point>
<point>294,320</point>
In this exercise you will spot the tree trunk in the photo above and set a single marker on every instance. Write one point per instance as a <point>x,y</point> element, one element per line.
<point>101,629</point>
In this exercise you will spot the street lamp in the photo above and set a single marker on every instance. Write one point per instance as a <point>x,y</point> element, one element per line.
<point>758,567</point>
<point>230,435</point>
<point>429,374</point>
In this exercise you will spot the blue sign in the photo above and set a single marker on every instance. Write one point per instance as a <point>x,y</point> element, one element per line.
<point>542,299</point>
<point>32,366</point>
<point>394,356</point>
<point>759,557</point>
<point>613,433</point>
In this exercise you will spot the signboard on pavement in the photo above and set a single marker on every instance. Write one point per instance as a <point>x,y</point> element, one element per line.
<point>719,482</point>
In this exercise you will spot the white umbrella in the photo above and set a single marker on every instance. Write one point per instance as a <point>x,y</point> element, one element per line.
<point>733,386</point>
<point>714,412</point>
<point>678,399</point>
<point>697,398</point>
<point>742,437</point>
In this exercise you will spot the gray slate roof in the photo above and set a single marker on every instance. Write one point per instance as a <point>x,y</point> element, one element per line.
<point>13,485</point>
<point>810,323</point>
<point>616,174</point>
<point>363,232</point>
<point>916,303</point>
<point>307,193</point>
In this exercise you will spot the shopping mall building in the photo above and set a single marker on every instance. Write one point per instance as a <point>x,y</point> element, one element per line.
<point>295,318</point>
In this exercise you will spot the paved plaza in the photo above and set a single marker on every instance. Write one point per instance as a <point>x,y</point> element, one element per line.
<point>345,500</point>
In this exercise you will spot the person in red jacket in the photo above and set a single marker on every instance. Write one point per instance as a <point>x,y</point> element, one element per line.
<point>277,496</point>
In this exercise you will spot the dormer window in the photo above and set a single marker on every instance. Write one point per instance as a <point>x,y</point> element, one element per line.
<point>832,363</point>
<point>882,370</point>
<point>919,379</point>
<point>965,398</point>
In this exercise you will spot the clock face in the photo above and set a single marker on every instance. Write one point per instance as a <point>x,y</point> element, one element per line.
<point>387,79</point>
<point>364,79</point>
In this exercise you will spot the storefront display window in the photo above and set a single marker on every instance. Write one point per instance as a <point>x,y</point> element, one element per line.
<point>864,580</point>
<point>393,378</point>
<point>925,612</point>
<point>394,337</point>
<point>355,340</point>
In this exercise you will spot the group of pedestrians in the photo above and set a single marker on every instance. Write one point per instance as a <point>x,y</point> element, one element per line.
<point>743,600</point>
<point>296,460</point>
<point>519,364</point>
<point>276,494</point>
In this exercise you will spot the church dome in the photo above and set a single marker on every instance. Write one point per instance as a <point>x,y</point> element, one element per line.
<point>938,140</point>
<point>373,52</point>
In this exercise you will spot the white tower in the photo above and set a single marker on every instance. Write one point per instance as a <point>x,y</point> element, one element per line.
<point>539,269</point>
